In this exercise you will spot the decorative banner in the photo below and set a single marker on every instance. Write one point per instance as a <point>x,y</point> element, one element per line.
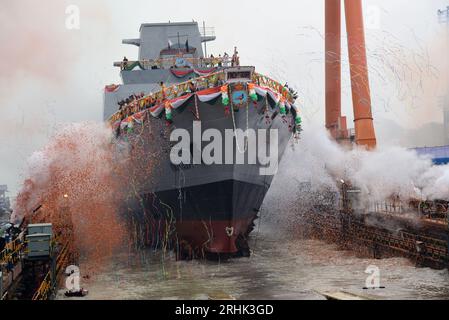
<point>282,106</point>
<point>111,88</point>
<point>156,110</point>
<point>275,96</point>
<point>138,117</point>
<point>239,98</point>
<point>298,119</point>
<point>263,91</point>
<point>204,71</point>
<point>126,123</point>
<point>208,94</point>
<point>241,93</point>
<point>181,72</point>
<point>266,86</point>
<point>224,95</point>
<point>168,114</point>
<point>131,66</point>
<point>252,91</point>
<point>177,102</point>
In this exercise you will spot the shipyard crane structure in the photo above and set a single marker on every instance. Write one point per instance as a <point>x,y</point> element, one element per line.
<point>443,18</point>
<point>361,96</point>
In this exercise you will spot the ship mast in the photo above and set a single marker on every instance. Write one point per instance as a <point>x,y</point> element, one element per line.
<point>205,46</point>
<point>178,36</point>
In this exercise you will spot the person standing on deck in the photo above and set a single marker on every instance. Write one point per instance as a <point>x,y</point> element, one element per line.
<point>163,89</point>
<point>235,58</point>
<point>124,63</point>
<point>226,59</point>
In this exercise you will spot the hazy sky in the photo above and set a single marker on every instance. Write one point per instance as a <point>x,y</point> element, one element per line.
<point>51,75</point>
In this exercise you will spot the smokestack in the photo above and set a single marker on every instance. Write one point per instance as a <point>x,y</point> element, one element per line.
<point>361,97</point>
<point>333,65</point>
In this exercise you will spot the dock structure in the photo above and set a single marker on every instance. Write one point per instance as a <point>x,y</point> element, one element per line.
<point>31,263</point>
<point>344,295</point>
<point>417,230</point>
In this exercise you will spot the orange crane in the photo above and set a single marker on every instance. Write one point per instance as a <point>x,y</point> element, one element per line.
<point>361,97</point>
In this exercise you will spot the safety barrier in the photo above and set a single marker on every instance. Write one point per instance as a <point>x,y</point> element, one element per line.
<point>164,63</point>
<point>45,289</point>
<point>170,92</point>
<point>48,285</point>
<point>11,253</point>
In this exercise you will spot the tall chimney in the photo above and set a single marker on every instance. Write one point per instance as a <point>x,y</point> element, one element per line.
<point>361,97</point>
<point>333,65</point>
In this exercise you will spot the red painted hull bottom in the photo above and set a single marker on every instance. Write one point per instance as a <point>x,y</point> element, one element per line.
<point>197,238</point>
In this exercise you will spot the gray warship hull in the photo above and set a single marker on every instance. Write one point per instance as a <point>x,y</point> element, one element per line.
<point>196,208</point>
<point>207,208</point>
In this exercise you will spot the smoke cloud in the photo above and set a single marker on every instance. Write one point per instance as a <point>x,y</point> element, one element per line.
<point>312,169</point>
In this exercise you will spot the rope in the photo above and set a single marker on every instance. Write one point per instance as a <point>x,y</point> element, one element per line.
<point>245,137</point>
<point>196,107</point>
<point>180,187</point>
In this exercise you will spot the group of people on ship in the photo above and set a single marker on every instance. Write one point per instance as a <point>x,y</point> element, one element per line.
<point>124,102</point>
<point>212,61</point>
<point>224,61</point>
<point>139,102</point>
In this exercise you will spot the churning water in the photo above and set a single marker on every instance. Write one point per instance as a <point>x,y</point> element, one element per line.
<point>279,268</point>
<point>282,265</point>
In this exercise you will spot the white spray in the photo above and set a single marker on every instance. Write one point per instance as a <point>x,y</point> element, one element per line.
<point>317,164</point>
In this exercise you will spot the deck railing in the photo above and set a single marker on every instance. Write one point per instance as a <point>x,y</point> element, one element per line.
<point>49,283</point>
<point>207,32</point>
<point>176,90</point>
<point>11,253</point>
<point>165,63</point>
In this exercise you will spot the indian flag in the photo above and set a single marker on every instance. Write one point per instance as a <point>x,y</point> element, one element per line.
<point>177,102</point>
<point>263,91</point>
<point>208,94</point>
<point>180,73</point>
<point>138,117</point>
<point>156,110</point>
<point>126,123</point>
<point>205,71</point>
<point>111,88</point>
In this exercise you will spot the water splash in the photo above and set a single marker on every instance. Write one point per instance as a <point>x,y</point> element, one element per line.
<point>313,169</point>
